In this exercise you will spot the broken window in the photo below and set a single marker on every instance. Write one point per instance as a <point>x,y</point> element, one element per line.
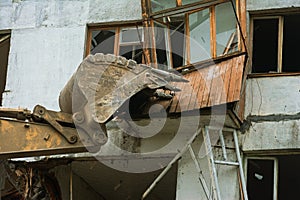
<point>265,45</point>
<point>123,41</point>
<point>4,51</point>
<point>198,30</point>
<point>275,43</point>
<point>226,29</point>
<point>102,41</point>
<point>162,45</point>
<point>273,177</point>
<point>262,178</point>
<point>131,43</point>
<point>177,38</point>
<point>288,176</point>
<point>182,32</point>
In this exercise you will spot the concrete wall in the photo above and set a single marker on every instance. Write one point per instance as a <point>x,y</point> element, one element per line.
<point>272,107</point>
<point>271,4</point>
<point>48,42</point>
<point>273,95</point>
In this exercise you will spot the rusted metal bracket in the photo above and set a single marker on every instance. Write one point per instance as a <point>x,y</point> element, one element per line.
<point>87,126</point>
<point>42,132</point>
<point>52,117</point>
<point>16,113</point>
<point>20,138</point>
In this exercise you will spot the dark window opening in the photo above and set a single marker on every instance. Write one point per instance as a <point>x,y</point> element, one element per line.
<point>265,45</point>
<point>124,41</point>
<point>162,49</point>
<point>291,43</point>
<point>260,179</point>
<point>102,41</point>
<point>288,177</point>
<point>177,31</point>
<point>4,51</point>
<point>134,52</point>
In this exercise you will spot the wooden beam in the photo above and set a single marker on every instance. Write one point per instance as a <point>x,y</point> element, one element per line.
<point>147,32</point>
<point>213,38</point>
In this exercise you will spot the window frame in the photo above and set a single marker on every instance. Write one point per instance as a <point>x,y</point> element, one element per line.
<point>280,39</point>
<point>275,172</point>
<point>117,28</point>
<point>193,8</point>
<point>149,18</point>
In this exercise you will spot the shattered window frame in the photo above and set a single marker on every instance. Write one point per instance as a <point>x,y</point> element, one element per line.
<point>280,57</point>
<point>188,10</point>
<point>117,40</point>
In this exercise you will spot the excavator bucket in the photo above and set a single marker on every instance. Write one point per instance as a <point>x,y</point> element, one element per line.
<point>106,82</point>
<point>101,86</point>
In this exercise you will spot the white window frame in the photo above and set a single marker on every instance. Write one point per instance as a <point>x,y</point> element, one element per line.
<point>275,172</point>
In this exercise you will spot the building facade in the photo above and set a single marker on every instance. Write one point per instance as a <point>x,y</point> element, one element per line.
<point>240,57</point>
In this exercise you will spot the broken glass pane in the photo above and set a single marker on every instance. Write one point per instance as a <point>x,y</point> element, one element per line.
<point>102,41</point>
<point>162,46</point>
<point>199,24</point>
<point>226,29</point>
<point>131,41</point>
<point>158,5</point>
<point>177,39</point>
<point>134,52</point>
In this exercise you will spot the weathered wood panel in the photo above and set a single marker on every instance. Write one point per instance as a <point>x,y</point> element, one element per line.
<point>213,85</point>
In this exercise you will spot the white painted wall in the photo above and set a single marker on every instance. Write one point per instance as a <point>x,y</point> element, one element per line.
<point>271,4</point>
<point>48,42</point>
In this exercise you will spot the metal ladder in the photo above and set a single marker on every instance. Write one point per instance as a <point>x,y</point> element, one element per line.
<point>213,162</point>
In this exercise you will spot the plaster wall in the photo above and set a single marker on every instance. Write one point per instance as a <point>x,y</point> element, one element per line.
<point>272,136</point>
<point>48,42</point>
<point>253,5</point>
<point>273,95</point>
<point>272,108</point>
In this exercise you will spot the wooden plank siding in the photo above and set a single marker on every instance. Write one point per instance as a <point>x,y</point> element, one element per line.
<point>213,85</point>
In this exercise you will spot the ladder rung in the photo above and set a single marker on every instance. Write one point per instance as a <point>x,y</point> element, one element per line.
<point>226,162</point>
